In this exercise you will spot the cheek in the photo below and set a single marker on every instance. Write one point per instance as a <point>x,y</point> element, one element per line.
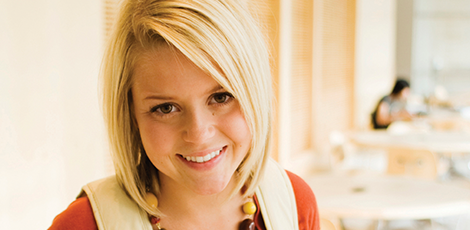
<point>156,139</point>
<point>236,128</point>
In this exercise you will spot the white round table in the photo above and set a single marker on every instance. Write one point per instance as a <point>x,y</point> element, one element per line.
<point>385,197</point>
<point>438,142</point>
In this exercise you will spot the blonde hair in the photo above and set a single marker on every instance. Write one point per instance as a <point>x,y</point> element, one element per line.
<point>222,39</point>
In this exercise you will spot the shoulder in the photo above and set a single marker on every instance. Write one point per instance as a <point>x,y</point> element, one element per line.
<point>78,215</point>
<point>306,202</point>
<point>386,99</point>
<point>301,189</point>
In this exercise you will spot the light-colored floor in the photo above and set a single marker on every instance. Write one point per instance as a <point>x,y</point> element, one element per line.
<point>376,163</point>
<point>447,223</point>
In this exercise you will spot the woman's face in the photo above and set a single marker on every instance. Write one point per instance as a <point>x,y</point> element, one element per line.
<point>405,93</point>
<point>192,130</point>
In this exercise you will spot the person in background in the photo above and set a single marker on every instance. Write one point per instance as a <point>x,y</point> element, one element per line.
<point>187,104</point>
<point>393,106</point>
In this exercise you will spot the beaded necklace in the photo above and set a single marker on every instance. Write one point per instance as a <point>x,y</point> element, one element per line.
<point>249,208</point>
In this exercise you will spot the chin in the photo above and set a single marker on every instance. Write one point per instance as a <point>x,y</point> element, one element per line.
<point>208,192</point>
<point>212,188</point>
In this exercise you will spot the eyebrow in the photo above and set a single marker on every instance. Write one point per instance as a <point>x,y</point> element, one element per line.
<point>154,97</point>
<point>157,97</point>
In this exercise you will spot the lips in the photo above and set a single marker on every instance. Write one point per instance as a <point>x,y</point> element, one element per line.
<point>202,159</point>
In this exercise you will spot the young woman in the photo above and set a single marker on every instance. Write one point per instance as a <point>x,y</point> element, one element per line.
<point>393,106</point>
<point>187,103</point>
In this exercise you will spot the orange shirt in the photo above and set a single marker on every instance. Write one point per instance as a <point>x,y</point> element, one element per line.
<point>79,215</point>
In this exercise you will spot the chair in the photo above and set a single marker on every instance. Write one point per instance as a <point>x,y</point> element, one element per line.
<point>337,154</point>
<point>325,224</point>
<point>345,155</point>
<point>418,163</point>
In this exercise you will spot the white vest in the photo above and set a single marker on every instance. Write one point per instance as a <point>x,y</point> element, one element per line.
<point>114,210</point>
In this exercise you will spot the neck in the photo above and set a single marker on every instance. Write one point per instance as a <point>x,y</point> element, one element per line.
<point>180,204</point>
<point>395,97</point>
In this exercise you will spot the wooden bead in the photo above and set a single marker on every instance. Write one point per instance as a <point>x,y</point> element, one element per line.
<point>154,220</point>
<point>151,199</point>
<point>247,224</point>
<point>249,208</point>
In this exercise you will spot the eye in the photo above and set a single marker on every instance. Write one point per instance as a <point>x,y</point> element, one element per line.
<point>221,98</point>
<point>164,108</point>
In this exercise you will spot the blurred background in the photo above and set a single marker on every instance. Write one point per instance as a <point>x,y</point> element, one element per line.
<point>332,61</point>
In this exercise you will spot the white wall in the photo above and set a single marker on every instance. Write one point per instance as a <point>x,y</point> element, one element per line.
<point>404,35</point>
<point>375,56</point>
<point>441,47</point>
<point>51,132</point>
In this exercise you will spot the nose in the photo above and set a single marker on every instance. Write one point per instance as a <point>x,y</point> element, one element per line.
<point>199,127</point>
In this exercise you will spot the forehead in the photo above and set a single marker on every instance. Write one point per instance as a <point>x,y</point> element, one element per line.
<point>163,68</point>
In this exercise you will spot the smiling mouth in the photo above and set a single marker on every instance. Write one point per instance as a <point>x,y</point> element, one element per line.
<point>203,159</point>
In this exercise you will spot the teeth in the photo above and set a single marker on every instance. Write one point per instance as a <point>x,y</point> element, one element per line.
<point>199,159</point>
<point>205,158</point>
